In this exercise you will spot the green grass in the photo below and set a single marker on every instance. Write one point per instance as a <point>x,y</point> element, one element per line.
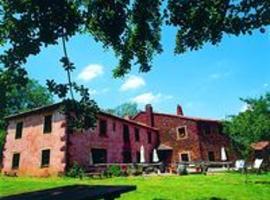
<point>221,186</point>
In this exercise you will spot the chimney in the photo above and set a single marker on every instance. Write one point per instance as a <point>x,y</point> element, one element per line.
<point>179,110</point>
<point>128,117</point>
<point>149,115</point>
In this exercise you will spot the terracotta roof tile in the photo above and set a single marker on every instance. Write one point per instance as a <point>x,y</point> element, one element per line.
<point>260,145</point>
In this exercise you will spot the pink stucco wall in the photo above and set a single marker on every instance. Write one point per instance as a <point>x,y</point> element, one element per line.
<point>81,143</point>
<point>31,144</point>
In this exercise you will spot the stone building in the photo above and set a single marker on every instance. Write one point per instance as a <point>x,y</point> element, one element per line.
<point>37,142</point>
<point>185,138</point>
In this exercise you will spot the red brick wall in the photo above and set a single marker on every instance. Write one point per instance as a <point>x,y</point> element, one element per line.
<point>197,145</point>
<point>167,128</point>
<point>214,142</point>
<point>31,144</point>
<point>81,143</point>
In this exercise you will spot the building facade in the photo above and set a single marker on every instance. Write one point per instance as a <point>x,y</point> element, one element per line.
<point>185,138</point>
<point>38,143</point>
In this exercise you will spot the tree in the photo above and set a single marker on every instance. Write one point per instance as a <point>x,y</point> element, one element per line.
<point>131,28</point>
<point>251,125</point>
<point>21,99</point>
<point>125,109</point>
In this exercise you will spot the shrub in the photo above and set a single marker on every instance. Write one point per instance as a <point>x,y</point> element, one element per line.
<point>113,170</point>
<point>76,171</point>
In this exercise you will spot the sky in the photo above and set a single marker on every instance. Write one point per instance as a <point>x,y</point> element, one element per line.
<point>206,83</point>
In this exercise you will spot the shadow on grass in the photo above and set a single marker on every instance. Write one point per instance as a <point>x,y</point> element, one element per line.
<point>74,192</point>
<point>262,182</point>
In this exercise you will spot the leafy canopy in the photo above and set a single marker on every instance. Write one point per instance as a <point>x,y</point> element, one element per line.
<point>252,125</point>
<point>125,109</point>
<point>20,99</point>
<point>131,28</point>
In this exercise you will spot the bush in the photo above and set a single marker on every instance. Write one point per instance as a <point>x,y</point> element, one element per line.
<point>113,170</point>
<point>76,171</point>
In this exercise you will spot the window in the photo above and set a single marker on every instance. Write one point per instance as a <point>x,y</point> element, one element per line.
<point>206,129</point>
<point>211,156</point>
<point>99,155</point>
<point>114,126</point>
<point>184,157</point>
<point>181,133</point>
<point>214,129</point>
<point>19,127</point>
<point>137,134</point>
<point>149,137</point>
<point>15,161</point>
<point>45,158</point>
<point>127,156</point>
<point>126,134</point>
<point>103,128</point>
<point>47,126</point>
<point>138,157</point>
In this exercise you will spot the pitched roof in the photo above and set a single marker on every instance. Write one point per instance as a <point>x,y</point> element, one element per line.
<point>57,105</point>
<point>164,147</point>
<point>128,120</point>
<point>35,110</point>
<point>181,117</point>
<point>260,145</point>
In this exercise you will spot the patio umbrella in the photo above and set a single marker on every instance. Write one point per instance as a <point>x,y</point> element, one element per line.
<point>142,159</point>
<point>223,154</point>
<point>155,156</point>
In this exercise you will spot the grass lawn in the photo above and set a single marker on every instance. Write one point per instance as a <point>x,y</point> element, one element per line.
<point>191,187</point>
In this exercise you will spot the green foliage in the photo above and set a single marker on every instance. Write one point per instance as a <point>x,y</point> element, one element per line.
<point>76,171</point>
<point>18,99</point>
<point>130,109</point>
<point>2,141</point>
<point>207,21</point>
<point>251,125</point>
<point>114,170</point>
<point>228,186</point>
<point>131,28</point>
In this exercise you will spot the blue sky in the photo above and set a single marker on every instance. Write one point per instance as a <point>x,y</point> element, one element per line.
<point>207,83</point>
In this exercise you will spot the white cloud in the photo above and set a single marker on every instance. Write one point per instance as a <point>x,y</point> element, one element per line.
<point>215,76</point>
<point>132,82</point>
<point>149,97</point>
<point>90,72</point>
<point>219,75</point>
<point>95,92</point>
<point>244,108</point>
<point>265,85</point>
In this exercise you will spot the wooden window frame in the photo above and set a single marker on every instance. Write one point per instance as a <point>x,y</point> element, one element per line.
<point>47,164</point>
<point>93,153</point>
<point>187,153</point>
<point>45,129</point>
<point>177,133</point>
<point>18,135</point>
<point>103,133</point>
<point>13,160</point>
